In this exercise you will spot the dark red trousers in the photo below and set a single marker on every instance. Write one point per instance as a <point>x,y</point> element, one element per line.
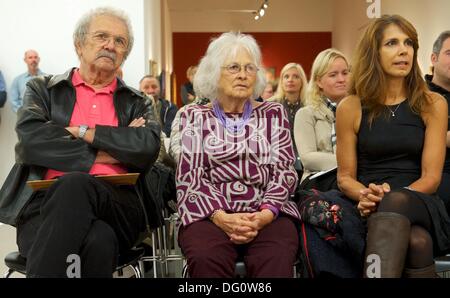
<point>210,253</point>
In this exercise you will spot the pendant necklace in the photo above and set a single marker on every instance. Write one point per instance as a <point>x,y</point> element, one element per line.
<point>395,110</point>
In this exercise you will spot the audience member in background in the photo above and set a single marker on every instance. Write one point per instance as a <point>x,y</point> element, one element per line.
<point>235,172</point>
<point>291,94</point>
<point>73,127</point>
<point>17,90</point>
<point>163,156</point>
<point>314,128</point>
<point>187,89</point>
<point>440,82</point>
<point>164,109</point>
<point>391,134</point>
<point>270,75</point>
<point>268,92</point>
<point>2,92</point>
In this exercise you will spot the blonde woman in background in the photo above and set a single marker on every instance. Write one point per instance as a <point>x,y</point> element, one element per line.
<point>314,129</point>
<point>291,90</point>
<point>290,93</point>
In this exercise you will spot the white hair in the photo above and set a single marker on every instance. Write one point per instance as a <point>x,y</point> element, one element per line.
<point>226,46</point>
<point>82,27</point>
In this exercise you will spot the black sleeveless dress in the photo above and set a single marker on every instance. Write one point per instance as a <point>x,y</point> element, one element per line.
<point>390,150</point>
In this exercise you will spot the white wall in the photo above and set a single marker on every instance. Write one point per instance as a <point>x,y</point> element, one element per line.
<point>349,19</point>
<point>167,44</point>
<point>429,17</point>
<point>47,26</point>
<point>152,12</point>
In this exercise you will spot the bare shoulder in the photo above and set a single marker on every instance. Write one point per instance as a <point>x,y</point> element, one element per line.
<point>437,107</point>
<point>349,108</point>
<point>350,104</point>
<point>437,103</point>
<point>348,113</point>
<point>436,99</point>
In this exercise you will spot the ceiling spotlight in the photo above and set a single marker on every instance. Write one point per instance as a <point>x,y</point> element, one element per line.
<point>259,13</point>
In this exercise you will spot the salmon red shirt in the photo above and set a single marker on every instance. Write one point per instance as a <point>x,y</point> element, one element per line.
<point>93,107</point>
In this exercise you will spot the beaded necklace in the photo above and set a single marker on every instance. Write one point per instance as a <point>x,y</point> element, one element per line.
<point>233,125</point>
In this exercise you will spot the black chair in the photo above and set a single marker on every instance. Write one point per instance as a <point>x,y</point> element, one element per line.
<point>239,270</point>
<point>16,263</point>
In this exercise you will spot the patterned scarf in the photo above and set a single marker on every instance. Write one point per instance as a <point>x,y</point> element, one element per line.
<point>332,106</point>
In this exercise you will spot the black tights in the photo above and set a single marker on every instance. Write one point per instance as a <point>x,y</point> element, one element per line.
<point>404,202</point>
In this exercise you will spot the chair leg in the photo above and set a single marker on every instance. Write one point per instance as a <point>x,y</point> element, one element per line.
<point>9,272</point>
<point>141,267</point>
<point>136,270</point>
<point>185,273</point>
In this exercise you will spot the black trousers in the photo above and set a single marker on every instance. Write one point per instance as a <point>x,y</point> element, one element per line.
<point>83,216</point>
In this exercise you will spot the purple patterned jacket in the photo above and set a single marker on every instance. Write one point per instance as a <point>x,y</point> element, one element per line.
<point>235,172</point>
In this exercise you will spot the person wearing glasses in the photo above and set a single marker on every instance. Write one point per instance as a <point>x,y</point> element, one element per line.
<point>235,171</point>
<point>73,127</point>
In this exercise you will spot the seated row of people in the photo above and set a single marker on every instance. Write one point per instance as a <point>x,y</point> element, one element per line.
<point>236,165</point>
<point>235,174</point>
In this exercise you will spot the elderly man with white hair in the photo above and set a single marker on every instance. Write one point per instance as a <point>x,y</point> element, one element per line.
<point>74,127</point>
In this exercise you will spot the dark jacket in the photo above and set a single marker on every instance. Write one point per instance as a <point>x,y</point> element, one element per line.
<point>438,89</point>
<point>446,93</point>
<point>187,89</point>
<point>167,114</point>
<point>45,143</point>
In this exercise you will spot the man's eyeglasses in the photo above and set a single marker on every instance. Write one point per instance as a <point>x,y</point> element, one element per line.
<point>235,68</point>
<point>103,37</point>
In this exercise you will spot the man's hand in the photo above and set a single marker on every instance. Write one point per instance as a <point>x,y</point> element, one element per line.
<point>103,157</point>
<point>139,122</point>
<point>74,131</point>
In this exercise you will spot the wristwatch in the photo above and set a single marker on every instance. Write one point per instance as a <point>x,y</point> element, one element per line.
<point>82,131</point>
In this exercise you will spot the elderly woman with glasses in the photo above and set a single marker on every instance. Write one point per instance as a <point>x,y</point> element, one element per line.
<point>235,172</point>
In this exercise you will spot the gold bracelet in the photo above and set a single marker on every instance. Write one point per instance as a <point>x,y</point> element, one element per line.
<point>211,217</point>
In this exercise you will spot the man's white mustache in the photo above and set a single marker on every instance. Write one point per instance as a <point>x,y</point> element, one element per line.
<point>107,55</point>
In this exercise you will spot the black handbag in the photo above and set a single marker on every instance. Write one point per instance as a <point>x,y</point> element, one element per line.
<point>157,187</point>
